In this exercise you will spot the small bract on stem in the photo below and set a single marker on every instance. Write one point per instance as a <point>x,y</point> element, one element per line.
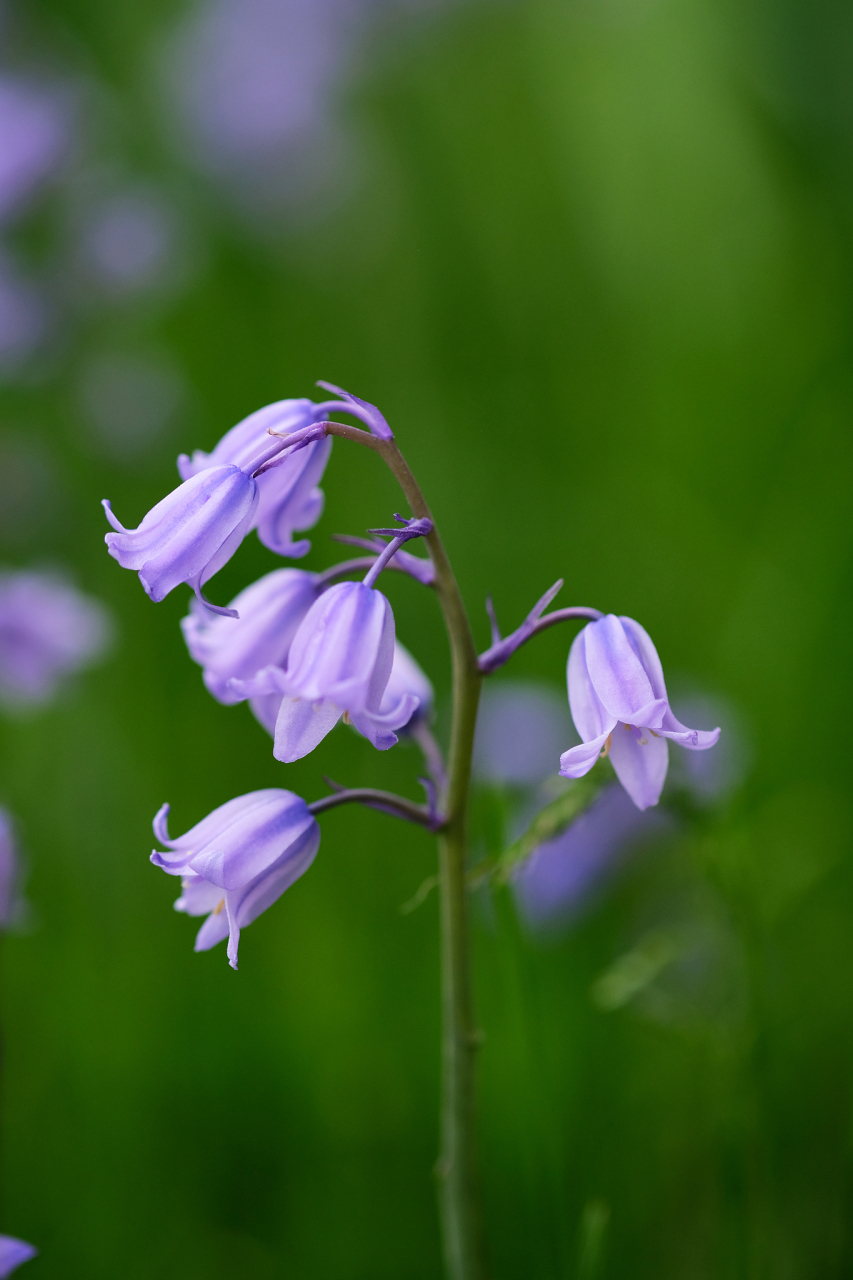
<point>308,650</point>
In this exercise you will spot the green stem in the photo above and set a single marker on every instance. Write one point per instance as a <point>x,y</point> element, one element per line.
<point>456,1169</point>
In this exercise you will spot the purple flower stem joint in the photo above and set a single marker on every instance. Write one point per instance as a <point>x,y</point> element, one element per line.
<point>309,649</point>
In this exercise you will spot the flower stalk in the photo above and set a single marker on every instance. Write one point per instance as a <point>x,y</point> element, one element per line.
<point>456,1168</point>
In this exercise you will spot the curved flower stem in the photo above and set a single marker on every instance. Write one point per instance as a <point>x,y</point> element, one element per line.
<point>360,564</point>
<point>456,1169</point>
<point>387,801</point>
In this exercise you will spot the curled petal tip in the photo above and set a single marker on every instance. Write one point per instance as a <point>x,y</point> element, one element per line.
<point>108,512</point>
<point>160,825</point>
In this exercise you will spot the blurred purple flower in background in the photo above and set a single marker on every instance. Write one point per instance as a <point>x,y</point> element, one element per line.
<point>12,905</point>
<point>47,631</point>
<point>255,88</point>
<point>238,860</point>
<point>255,82</point>
<point>23,315</point>
<point>268,614</point>
<point>33,138</point>
<point>289,496</point>
<point>12,1253</point>
<point>129,240</point>
<point>129,401</point>
<point>616,683</point>
<point>189,535</point>
<point>33,141</point>
<point>555,880</point>
<point>521,730</point>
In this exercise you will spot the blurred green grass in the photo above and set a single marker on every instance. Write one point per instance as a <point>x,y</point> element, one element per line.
<point>599,282</point>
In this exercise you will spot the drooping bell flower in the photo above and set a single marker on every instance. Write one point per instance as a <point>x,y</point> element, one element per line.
<point>619,704</point>
<point>190,534</point>
<point>406,678</point>
<point>238,860</point>
<point>268,614</point>
<point>13,1253</point>
<point>339,665</point>
<point>48,630</point>
<point>289,498</point>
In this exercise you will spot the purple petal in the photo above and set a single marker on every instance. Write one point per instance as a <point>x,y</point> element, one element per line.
<point>241,444</point>
<point>213,827</point>
<point>618,676</point>
<point>640,769</point>
<point>160,824</point>
<point>269,612</point>
<point>198,896</point>
<point>378,728</point>
<point>247,903</point>
<point>406,677</point>
<point>265,709</point>
<point>693,739</point>
<point>191,533</point>
<point>641,643</point>
<point>344,649</point>
<point>301,726</point>
<point>214,929</point>
<point>577,761</point>
<point>256,840</point>
<point>269,680</point>
<point>588,712</point>
<point>291,500</point>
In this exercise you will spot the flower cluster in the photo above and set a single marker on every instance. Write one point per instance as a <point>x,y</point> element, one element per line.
<point>307,650</point>
<point>303,649</point>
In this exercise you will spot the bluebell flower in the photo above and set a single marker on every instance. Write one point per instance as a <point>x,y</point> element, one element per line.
<point>619,704</point>
<point>339,664</point>
<point>289,498</point>
<point>238,860</point>
<point>269,612</point>
<point>190,534</point>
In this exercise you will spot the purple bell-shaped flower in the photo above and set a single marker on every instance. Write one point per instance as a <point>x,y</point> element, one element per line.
<point>619,704</point>
<point>190,534</point>
<point>289,498</point>
<point>339,664</point>
<point>268,614</point>
<point>238,860</point>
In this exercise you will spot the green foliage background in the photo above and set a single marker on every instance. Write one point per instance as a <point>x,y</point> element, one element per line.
<point>599,283</point>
